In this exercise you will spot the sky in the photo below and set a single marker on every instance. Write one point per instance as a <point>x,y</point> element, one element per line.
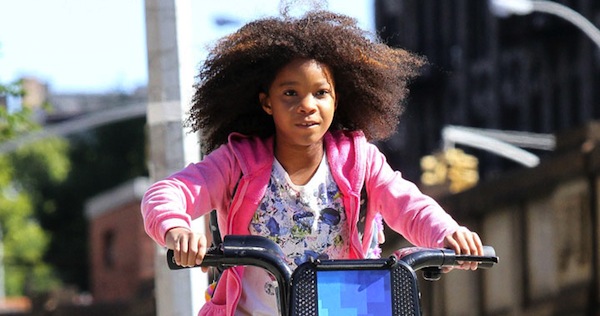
<point>95,46</point>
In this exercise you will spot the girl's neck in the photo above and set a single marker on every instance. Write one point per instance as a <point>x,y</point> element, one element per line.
<point>300,163</point>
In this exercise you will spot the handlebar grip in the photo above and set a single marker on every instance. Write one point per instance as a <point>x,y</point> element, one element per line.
<point>486,261</point>
<point>213,258</point>
<point>171,260</point>
<point>421,258</point>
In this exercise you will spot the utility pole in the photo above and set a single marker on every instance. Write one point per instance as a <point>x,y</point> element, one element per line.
<point>170,80</point>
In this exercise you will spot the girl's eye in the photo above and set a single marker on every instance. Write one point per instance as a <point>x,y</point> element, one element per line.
<point>322,92</point>
<point>289,93</point>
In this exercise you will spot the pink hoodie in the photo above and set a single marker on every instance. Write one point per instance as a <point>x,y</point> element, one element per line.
<point>247,161</point>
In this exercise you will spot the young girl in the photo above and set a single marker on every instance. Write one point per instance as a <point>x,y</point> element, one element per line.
<point>287,107</point>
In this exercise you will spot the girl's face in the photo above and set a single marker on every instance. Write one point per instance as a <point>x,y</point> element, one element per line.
<point>302,102</point>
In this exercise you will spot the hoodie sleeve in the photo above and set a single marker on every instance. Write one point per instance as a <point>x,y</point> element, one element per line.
<point>416,216</point>
<point>188,194</point>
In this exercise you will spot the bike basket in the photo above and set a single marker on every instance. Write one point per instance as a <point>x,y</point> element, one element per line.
<point>381,287</point>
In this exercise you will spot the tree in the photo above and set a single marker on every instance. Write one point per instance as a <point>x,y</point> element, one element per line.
<point>48,182</point>
<point>101,159</point>
<point>21,174</point>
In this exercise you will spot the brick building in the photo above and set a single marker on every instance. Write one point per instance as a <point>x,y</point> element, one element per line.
<point>121,254</point>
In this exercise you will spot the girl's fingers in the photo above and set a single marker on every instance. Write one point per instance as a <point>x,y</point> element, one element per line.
<point>463,241</point>
<point>201,249</point>
<point>189,247</point>
<point>479,244</point>
<point>185,250</point>
<point>473,243</point>
<point>451,243</point>
<point>196,249</point>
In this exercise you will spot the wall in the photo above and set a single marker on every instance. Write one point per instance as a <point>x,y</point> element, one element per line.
<point>122,255</point>
<point>534,73</point>
<point>543,223</point>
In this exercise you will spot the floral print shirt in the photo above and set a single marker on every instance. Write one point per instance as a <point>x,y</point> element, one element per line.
<point>305,221</point>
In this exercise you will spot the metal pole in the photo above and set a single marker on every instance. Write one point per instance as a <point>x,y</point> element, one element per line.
<point>170,80</point>
<point>455,135</point>
<point>570,15</point>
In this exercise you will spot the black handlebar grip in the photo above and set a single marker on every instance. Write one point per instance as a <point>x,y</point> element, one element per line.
<point>212,258</point>
<point>171,260</point>
<point>486,261</point>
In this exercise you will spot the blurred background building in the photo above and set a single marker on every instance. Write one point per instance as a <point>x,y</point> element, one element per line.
<point>536,73</point>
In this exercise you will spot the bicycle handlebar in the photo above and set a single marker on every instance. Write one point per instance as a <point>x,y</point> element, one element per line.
<point>262,252</point>
<point>237,250</point>
<point>258,251</point>
<point>432,260</point>
<point>246,250</point>
<point>419,258</point>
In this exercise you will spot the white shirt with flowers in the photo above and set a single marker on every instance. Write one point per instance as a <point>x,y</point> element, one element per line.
<point>305,221</point>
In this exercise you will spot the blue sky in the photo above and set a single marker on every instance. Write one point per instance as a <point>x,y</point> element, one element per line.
<point>100,45</point>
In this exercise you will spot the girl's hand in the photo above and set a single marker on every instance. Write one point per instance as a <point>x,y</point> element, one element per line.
<point>189,248</point>
<point>464,241</point>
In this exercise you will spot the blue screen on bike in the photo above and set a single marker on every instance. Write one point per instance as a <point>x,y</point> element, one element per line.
<point>354,292</point>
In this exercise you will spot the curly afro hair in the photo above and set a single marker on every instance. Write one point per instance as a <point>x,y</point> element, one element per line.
<point>370,77</point>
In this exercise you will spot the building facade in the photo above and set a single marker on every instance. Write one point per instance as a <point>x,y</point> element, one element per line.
<point>121,254</point>
<point>536,73</point>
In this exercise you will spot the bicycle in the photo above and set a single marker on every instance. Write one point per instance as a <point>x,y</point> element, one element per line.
<point>386,286</point>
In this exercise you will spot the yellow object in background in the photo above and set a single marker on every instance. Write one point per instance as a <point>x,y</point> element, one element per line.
<point>452,167</point>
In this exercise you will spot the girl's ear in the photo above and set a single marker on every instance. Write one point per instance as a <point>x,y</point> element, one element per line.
<point>264,102</point>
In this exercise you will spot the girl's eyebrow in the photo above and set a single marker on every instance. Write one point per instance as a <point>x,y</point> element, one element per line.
<point>293,82</point>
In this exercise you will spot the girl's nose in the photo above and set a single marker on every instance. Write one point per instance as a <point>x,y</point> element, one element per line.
<point>308,104</point>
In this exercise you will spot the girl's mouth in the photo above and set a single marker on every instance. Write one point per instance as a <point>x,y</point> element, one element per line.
<point>309,124</point>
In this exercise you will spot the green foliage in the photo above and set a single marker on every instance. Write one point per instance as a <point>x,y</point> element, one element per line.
<point>22,173</point>
<point>43,191</point>
<point>12,125</point>
<point>12,89</point>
